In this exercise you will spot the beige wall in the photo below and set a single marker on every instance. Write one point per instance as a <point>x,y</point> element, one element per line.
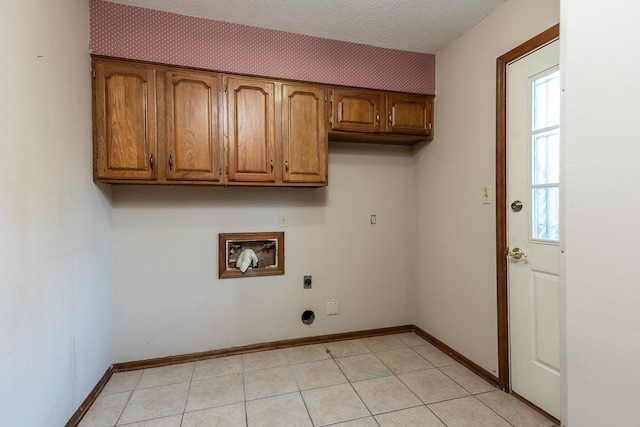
<point>168,299</point>
<point>55,224</point>
<point>455,295</point>
<point>601,205</point>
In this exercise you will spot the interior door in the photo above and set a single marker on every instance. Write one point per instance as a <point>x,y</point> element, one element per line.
<point>533,139</point>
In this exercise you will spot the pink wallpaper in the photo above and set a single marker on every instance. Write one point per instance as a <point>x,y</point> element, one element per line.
<point>149,35</point>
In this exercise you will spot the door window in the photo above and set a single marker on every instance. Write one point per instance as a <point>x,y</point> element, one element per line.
<point>545,157</point>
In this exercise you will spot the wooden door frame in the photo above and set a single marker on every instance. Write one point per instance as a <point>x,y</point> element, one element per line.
<point>503,61</point>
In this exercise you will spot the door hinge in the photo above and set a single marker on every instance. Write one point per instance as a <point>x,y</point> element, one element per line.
<point>93,73</point>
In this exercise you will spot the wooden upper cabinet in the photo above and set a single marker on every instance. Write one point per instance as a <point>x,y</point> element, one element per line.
<point>124,121</point>
<point>250,130</point>
<point>356,110</point>
<point>409,114</point>
<point>193,131</point>
<point>304,135</point>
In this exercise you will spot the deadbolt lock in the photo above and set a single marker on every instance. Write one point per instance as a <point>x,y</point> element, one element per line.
<point>516,206</point>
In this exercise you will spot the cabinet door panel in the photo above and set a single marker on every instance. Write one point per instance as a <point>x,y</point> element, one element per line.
<point>304,134</point>
<point>125,121</point>
<point>251,130</point>
<point>193,140</point>
<point>409,114</point>
<point>356,111</point>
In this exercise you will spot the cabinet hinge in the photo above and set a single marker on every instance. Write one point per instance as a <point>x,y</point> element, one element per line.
<point>331,120</point>
<point>220,170</point>
<point>93,73</point>
<point>429,126</point>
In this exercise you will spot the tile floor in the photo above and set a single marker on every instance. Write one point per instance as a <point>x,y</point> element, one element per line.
<point>392,380</point>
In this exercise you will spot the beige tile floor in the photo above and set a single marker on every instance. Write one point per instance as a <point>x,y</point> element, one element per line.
<point>392,380</point>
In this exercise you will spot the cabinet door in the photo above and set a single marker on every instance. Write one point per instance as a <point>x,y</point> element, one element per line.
<point>304,140</point>
<point>356,111</point>
<point>193,126</point>
<point>125,121</point>
<point>409,114</point>
<point>251,130</point>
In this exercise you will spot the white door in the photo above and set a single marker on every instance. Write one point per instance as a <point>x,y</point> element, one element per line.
<point>533,114</point>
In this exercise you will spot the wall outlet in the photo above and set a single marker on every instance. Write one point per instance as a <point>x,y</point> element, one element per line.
<point>333,308</point>
<point>284,221</point>
<point>373,219</point>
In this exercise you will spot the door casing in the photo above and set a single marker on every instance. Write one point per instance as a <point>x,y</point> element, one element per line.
<point>502,62</point>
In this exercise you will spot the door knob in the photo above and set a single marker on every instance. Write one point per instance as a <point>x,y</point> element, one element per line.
<point>516,253</point>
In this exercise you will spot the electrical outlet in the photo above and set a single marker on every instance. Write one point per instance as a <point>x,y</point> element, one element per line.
<point>284,221</point>
<point>333,308</point>
<point>373,219</point>
<point>307,282</point>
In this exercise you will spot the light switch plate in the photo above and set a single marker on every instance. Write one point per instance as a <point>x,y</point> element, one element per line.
<point>486,195</point>
<point>284,221</point>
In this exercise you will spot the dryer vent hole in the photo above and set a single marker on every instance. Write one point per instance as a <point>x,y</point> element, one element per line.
<point>308,317</point>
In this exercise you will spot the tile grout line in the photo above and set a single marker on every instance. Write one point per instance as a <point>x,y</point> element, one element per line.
<point>417,397</point>
<point>244,391</point>
<point>184,407</point>
<point>130,396</point>
<point>295,380</point>
<point>351,385</point>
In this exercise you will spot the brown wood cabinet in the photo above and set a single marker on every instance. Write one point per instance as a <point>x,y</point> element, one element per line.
<point>409,114</point>
<point>156,124</point>
<point>356,110</point>
<point>394,118</point>
<point>124,121</point>
<point>193,131</point>
<point>250,130</point>
<point>304,135</point>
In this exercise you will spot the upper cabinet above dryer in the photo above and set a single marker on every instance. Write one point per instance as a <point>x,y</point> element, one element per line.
<point>383,117</point>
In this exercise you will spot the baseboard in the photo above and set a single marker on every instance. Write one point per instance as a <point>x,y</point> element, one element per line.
<point>476,369</point>
<point>194,357</point>
<point>93,395</point>
<point>536,408</point>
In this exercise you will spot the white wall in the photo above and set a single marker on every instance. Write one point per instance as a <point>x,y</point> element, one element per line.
<point>600,65</point>
<point>55,224</point>
<point>455,233</point>
<point>168,299</point>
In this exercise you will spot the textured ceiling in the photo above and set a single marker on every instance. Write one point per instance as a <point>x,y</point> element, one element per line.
<point>425,26</point>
